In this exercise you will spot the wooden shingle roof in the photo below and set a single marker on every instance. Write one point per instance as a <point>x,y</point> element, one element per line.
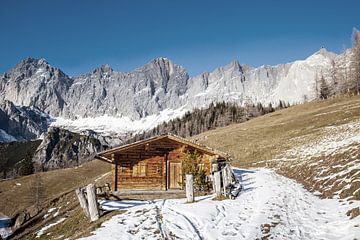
<point>213,152</point>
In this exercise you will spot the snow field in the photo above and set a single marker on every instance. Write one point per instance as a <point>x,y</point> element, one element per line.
<point>269,205</point>
<point>109,125</point>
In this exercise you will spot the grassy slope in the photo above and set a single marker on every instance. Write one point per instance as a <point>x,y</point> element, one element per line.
<point>75,224</point>
<point>14,152</point>
<point>267,140</point>
<point>18,194</point>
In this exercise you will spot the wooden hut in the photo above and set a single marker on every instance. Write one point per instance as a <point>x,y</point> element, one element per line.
<point>156,163</point>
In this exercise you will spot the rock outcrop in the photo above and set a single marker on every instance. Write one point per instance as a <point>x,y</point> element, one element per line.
<point>21,123</point>
<point>61,149</point>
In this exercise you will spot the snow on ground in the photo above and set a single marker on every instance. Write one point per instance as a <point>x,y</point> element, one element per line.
<point>335,139</point>
<point>109,125</point>
<point>268,205</point>
<point>102,176</point>
<point>44,229</point>
<point>329,163</point>
<point>49,212</point>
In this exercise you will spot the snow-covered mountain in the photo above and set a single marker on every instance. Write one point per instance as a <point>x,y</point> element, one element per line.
<point>111,102</point>
<point>21,123</point>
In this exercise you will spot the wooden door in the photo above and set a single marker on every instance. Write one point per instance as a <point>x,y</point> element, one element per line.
<point>175,178</point>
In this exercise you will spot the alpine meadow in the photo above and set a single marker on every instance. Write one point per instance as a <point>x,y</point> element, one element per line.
<point>166,120</point>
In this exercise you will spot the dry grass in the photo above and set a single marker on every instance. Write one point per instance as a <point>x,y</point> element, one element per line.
<point>335,174</point>
<point>74,226</point>
<point>270,141</point>
<point>17,194</point>
<point>265,137</point>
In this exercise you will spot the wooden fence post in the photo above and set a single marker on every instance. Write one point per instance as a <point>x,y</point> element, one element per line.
<point>214,168</point>
<point>224,180</point>
<point>217,183</point>
<point>92,201</point>
<point>190,188</point>
<point>83,202</point>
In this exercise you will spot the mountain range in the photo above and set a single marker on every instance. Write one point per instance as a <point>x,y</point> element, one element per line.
<point>116,103</point>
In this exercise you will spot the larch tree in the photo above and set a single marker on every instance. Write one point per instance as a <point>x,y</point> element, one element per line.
<point>355,62</point>
<point>324,91</point>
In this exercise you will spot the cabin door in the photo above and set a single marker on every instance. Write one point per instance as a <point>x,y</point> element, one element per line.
<point>175,178</point>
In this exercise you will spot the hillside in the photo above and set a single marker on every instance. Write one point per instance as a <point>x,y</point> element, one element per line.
<point>18,194</point>
<point>293,141</point>
<point>315,143</point>
<point>13,155</point>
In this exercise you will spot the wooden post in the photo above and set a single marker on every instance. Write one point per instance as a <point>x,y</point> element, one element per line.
<point>92,201</point>
<point>189,188</point>
<point>227,177</point>
<point>214,168</point>
<point>82,200</point>
<point>217,183</point>
<point>166,172</point>
<point>224,180</point>
<point>114,160</point>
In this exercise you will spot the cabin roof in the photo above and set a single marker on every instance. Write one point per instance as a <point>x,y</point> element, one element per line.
<point>102,155</point>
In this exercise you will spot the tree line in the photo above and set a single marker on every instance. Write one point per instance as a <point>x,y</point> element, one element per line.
<point>344,76</point>
<point>218,114</point>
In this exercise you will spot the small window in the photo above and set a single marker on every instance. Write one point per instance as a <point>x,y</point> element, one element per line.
<point>139,169</point>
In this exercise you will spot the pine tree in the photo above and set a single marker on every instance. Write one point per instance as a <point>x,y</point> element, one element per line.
<point>334,78</point>
<point>26,167</point>
<point>324,89</point>
<point>316,86</point>
<point>355,62</point>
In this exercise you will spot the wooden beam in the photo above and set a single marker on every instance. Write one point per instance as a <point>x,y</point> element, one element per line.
<point>113,159</point>
<point>103,158</point>
<point>166,172</point>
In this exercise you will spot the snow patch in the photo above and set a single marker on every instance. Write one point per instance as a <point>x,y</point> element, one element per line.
<point>44,229</point>
<point>109,125</point>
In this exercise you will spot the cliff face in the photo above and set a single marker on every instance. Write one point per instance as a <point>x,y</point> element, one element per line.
<point>61,149</point>
<point>156,92</point>
<point>21,123</point>
<point>33,82</point>
<point>158,85</point>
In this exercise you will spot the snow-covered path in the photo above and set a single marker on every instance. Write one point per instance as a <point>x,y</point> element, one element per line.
<point>269,205</point>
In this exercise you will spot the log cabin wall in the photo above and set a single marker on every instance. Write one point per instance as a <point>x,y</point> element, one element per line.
<point>140,172</point>
<point>151,166</point>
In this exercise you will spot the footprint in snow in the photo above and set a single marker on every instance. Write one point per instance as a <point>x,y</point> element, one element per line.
<point>229,233</point>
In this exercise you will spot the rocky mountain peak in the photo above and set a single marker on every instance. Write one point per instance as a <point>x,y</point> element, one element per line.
<point>32,67</point>
<point>32,62</point>
<point>105,68</point>
<point>235,65</point>
<point>164,65</point>
<point>324,53</point>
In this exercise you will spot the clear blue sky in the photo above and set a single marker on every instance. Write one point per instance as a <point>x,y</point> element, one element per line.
<point>78,36</point>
